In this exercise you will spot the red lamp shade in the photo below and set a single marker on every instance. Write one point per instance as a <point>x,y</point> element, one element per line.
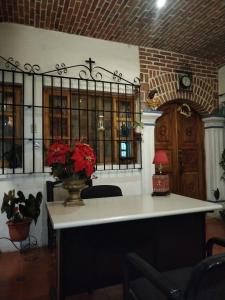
<point>160,158</point>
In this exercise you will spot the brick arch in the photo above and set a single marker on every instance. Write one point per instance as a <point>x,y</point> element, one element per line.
<point>202,97</point>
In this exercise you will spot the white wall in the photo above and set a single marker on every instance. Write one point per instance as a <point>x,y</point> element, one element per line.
<point>47,48</point>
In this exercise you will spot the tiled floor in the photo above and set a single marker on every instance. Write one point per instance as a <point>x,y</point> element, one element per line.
<point>29,276</point>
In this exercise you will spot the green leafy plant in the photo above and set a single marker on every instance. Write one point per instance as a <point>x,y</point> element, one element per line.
<point>138,124</point>
<point>222,164</point>
<point>19,208</point>
<point>216,194</point>
<point>125,129</point>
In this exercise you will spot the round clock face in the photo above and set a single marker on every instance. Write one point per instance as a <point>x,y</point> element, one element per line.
<point>186,81</point>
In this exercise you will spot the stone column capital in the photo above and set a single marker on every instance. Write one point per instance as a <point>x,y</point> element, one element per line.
<point>149,118</point>
<point>213,122</point>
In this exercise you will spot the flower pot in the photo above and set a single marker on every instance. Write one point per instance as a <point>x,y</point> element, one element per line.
<point>74,187</point>
<point>19,231</point>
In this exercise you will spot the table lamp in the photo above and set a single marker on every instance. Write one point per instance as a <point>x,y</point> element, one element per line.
<point>160,180</point>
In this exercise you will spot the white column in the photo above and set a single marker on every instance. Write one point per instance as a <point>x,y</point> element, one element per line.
<point>214,145</point>
<point>148,149</point>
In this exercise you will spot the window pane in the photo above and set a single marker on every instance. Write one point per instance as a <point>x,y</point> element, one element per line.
<point>10,127</point>
<point>125,149</point>
<point>11,153</point>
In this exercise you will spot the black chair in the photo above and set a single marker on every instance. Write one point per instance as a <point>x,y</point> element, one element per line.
<point>203,282</point>
<point>50,185</point>
<point>53,187</point>
<point>100,191</point>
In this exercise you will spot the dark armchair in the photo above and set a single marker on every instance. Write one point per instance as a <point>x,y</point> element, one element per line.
<point>203,282</point>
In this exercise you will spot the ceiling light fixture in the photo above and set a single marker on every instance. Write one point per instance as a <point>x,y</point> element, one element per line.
<point>160,3</point>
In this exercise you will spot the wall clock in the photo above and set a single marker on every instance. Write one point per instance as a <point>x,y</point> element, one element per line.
<point>185,81</point>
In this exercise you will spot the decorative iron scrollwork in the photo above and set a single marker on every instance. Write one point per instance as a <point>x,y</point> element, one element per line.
<point>61,68</point>
<point>32,68</point>
<point>136,80</point>
<point>90,73</point>
<point>117,76</point>
<point>97,75</point>
<point>83,71</point>
<point>11,64</point>
<point>84,74</point>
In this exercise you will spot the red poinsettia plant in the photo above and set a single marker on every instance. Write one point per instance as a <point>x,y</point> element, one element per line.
<point>77,162</point>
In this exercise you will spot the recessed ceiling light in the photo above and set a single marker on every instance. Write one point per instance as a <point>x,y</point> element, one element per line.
<point>160,3</point>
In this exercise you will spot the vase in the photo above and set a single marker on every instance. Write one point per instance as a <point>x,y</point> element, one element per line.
<point>19,231</point>
<point>74,187</point>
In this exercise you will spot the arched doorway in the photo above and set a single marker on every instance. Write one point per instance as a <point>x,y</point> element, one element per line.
<point>180,132</point>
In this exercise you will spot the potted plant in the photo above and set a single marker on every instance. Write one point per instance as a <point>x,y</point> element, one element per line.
<point>125,129</point>
<point>20,212</point>
<point>138,127</point>
<point>72,165</point>
<point>222,164</point>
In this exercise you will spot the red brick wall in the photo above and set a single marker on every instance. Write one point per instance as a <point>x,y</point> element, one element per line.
<point>158,71</point>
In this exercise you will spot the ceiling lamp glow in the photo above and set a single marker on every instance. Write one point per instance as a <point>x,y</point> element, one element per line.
<point>160,3</point>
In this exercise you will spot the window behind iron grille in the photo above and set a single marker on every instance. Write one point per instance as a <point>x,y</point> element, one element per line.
<point>37,110</point>
<point>75,115</point>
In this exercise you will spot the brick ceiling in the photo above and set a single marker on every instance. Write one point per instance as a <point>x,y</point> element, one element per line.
<point>193,27</point>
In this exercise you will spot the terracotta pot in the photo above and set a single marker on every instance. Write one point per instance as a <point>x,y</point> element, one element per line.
<point>19,231</point>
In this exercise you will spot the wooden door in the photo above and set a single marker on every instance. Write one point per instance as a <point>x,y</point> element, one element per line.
<point>181,135</point>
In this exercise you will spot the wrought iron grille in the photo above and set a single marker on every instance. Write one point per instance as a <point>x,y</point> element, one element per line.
<point>67,104</point>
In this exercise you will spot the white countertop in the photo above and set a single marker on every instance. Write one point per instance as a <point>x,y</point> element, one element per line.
<point>124,208</point>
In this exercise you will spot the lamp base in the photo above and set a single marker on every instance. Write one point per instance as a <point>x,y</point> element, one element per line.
<point>160,184</point>
<point>160,193</point>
